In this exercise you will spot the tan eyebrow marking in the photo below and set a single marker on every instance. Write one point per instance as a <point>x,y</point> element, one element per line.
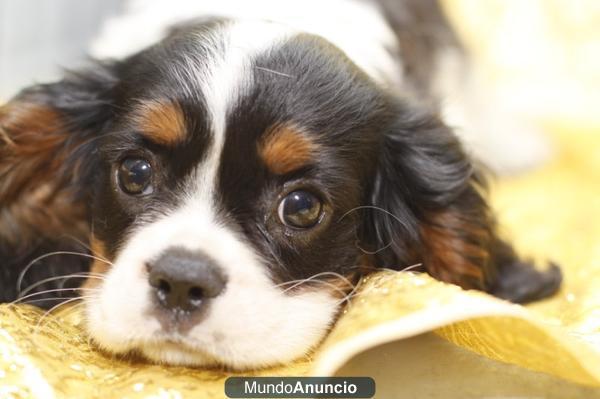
<point>286,148</point>
<point>162,122</point>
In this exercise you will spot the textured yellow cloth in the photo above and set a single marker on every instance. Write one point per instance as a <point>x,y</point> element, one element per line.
<point>554,212</point>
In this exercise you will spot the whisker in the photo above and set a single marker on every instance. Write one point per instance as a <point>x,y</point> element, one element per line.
<point>30,264</point>
<point>353,292</point>
<point>49,279</point>
<point>311,278</point>
<point>325,273</point>
<point>19,300</point>
<point>409,268</point>
<point>273,253</point>
<point>349,295</point>
<point>274,72</point>
<point>372,252</point>
<point>376,208</point>
<point>52,309</point>
<point>297,283</point>
<point>380,268</point>
<point>77,307</point>
<point>86,246</point>
<point>327,283</point>
<point>368,291</point>
<point>46,299</point>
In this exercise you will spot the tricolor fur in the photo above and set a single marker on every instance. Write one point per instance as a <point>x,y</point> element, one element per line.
<point>231,117</point>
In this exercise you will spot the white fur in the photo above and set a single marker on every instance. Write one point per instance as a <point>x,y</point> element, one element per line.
<point>229,75</point>
<point>252,323</point>
<point>356,27</point>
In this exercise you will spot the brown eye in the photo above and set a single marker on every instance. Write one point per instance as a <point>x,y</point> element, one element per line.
<point>300,209</point>
<point>135,176</point>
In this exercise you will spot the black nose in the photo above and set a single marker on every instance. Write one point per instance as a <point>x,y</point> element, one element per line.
<point>184,279</point>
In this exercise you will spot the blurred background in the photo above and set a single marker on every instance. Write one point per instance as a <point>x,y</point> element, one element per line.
<point>38,38</point>
<point>543,55</point>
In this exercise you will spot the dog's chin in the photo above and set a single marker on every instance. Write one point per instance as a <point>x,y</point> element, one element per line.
<point>234,335</point>
<point>183,352</point>
<point>176,354</point>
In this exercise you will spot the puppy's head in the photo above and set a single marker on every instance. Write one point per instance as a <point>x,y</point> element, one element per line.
<point>232,181</point>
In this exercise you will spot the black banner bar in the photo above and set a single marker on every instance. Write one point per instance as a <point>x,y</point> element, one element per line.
<point>300,387</point>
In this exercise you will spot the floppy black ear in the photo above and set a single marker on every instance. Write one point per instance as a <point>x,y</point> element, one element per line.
<point>47,140</point>
<point>428,206</point>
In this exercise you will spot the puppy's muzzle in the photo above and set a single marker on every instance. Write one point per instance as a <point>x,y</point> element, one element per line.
<point>185,280</point>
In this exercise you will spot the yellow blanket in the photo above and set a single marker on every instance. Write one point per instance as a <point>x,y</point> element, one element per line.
<point>552,213</point>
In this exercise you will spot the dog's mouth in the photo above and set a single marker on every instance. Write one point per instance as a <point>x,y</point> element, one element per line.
<point>177,322</point>
<point>175,350</point>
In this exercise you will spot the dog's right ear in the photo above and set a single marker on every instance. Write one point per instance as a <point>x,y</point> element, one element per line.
<point>47,139</point>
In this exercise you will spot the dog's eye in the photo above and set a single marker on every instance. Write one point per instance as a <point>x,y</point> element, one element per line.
<point>135,176</point>
<point>299,209</point>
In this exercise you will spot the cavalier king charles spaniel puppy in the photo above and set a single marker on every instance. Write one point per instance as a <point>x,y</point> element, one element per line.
<point>229,169</point>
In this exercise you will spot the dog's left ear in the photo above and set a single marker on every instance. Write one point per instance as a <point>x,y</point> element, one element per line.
<point>427,205</point>
<point>47,140</point>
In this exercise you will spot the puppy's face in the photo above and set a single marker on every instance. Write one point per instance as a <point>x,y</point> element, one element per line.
<point>229,173</point>
<point>232,181</point>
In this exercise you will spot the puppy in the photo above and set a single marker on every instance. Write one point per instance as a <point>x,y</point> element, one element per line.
<point>234,177</point>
